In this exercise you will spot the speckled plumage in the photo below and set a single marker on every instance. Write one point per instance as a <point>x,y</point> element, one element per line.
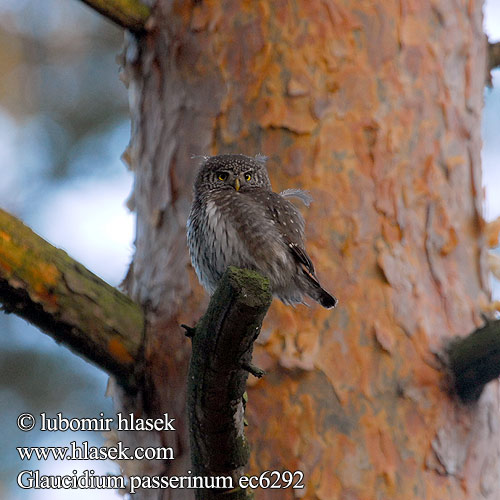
<point>236,219</point>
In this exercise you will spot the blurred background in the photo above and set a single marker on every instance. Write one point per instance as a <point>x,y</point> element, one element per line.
<point>63,126</point>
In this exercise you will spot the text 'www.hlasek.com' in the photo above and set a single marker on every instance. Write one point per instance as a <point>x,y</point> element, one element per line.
<point>88,479</point>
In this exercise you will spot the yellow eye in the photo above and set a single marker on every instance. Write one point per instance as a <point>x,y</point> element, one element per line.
<point>222,176</point>
<point>248,177</point>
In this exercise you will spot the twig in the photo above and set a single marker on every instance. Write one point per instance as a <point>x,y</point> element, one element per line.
<point>493,60</point>
<point>222,352</point>
<point>45,286</point>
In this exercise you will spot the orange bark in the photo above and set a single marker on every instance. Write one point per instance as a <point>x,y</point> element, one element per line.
<point>375,108</point>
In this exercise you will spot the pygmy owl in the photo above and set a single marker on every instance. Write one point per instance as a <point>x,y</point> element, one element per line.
<point>237,220</point>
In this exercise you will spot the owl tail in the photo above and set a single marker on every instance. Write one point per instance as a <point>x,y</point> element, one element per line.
<point>312,286</point>
<point>319,294</point>
<point>324,298</point>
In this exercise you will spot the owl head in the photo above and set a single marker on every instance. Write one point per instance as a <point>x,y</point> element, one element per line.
<point>238,172</point>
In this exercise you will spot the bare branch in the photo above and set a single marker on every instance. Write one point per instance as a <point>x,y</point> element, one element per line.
<point>129,14</point>
<point>493,60</point>
<point>45,286</point>
<point>493,55</point>
<point>222,354</point>
<point>475,360</point>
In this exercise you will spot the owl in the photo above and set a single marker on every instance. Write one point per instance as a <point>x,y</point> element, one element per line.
<point>237,220</point>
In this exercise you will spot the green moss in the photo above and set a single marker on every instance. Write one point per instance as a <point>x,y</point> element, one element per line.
<point>250,283</point>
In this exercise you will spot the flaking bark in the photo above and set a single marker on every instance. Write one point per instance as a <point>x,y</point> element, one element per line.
<point>222,352</point>
<point>45,286</point>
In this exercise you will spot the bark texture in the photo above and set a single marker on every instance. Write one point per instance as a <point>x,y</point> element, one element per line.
<point>45,286</point>
<point>375,108</point>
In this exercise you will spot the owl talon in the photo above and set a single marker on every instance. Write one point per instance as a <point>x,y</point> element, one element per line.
<point>254,370</point>
<point>190,331</point>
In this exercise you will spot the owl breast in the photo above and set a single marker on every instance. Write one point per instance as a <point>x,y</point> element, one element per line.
<point>227,228</point>
<point>214,242</point>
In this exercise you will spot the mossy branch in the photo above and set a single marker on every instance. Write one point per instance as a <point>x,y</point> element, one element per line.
<point>45,286</point>
<point>220,362</point>
<point>475,360</point>
<point>129,14</point>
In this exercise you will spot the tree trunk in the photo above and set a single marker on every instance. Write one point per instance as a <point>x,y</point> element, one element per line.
<point>375,108</point>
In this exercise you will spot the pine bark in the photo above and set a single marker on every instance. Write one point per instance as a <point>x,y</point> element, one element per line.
<point>375,108</point>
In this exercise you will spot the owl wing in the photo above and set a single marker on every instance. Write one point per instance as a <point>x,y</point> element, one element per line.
<point>291,226</point>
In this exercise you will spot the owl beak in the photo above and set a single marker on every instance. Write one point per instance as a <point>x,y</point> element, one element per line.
<point>237,184</point>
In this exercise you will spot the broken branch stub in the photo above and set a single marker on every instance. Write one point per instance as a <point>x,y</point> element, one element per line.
<point>222,352</point>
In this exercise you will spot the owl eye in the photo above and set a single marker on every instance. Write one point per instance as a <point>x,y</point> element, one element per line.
<point>222,176</point>
<point>248,177</point>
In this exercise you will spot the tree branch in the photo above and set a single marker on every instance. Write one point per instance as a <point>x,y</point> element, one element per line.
<point>43,285</point>
<point>475,360</point>
<point>493,60</point>
<point>220,362</point>
<point>129,14</point>
<point>493,55</point>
